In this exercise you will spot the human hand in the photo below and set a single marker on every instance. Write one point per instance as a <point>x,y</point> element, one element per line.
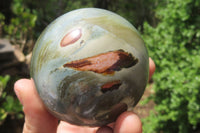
<point>39,120</point>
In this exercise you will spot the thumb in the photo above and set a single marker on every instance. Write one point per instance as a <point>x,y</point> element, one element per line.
<point>37,118</point>
<point>128,122</point>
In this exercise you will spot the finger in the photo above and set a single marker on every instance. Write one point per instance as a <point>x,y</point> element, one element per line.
<point>69,128</point>
<point>37,119</point>
<point>105,129</point>
<point>152,68</point>
<point>128,122</point>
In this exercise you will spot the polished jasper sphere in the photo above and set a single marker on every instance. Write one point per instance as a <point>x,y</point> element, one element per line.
<point>89,66</point>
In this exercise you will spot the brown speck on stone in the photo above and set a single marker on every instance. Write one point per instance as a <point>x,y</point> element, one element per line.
<point>117,110</point>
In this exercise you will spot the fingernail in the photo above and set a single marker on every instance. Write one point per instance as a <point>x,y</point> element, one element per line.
<point>18,96</point>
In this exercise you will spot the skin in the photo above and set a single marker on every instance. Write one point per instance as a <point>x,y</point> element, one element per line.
<point>39,120</point>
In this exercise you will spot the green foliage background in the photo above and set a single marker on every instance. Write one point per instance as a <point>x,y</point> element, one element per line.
<point>174,44</point>
<point>8,104</point>
<point>171,31</point>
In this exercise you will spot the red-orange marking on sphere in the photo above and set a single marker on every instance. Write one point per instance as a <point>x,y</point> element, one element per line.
<point>105,63</point>
<point>113,85</point>
<point>71,37</point>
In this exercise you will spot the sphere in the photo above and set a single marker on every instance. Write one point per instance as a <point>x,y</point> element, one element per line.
<point>89,66</point>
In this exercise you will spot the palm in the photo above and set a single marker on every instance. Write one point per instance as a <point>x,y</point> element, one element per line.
<point>64,127</point>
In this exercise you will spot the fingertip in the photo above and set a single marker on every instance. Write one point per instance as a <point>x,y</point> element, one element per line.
<point>19,84</point>
<point>19,87</point>
<point>37,118</point>
<point>128,122</point>
<point>152,68</point>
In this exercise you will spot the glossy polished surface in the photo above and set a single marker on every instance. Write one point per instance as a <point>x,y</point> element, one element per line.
<point>89,66</point>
